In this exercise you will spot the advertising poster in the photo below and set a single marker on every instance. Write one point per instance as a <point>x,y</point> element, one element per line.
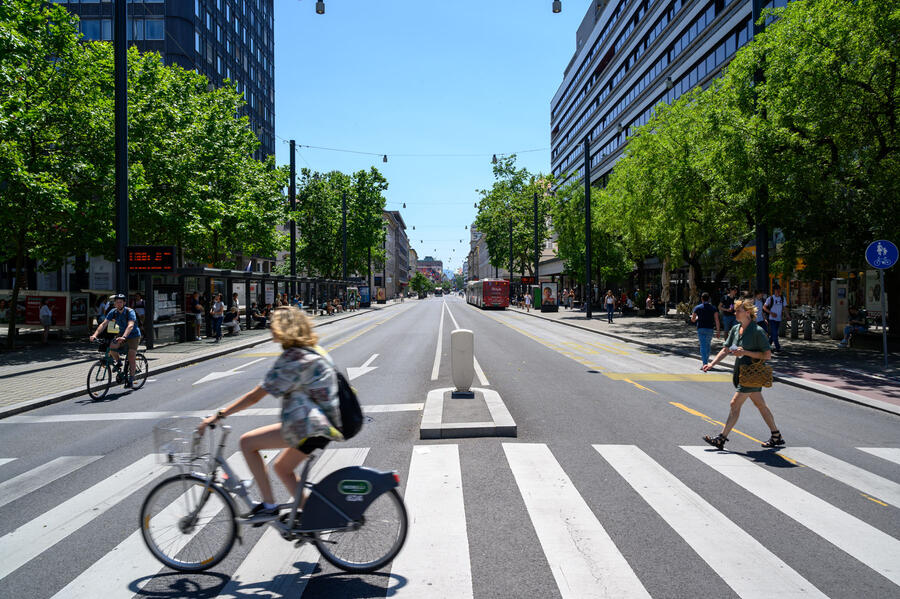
<point>873,293</point>
<point>549,297</point>
<point>33,309</point>
<point>270,293</point>
<point>79,310</point>
<point>380,295</point>
<point>364,299</point>
<point>241,290</point>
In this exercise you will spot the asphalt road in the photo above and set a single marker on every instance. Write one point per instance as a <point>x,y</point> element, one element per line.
<point>605,492</point>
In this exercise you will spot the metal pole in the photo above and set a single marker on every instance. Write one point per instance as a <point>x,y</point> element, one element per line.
<point>762,231</point>
<point>120,53</point>
<point>883,318</point>
<point>537,250</point>
<point>292,194</point>
<point>370,273</point>
<point>510,260</point>
<point>588,290</point>
<point>344,230</point>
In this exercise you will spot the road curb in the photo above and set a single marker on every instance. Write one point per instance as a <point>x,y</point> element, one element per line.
<point>47,400</point>
<point>787,380</point>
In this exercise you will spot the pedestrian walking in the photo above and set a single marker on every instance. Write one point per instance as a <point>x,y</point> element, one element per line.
<point>565,297</point>
<point>759,301</point>
<point>706,317</point>
<point>610,305</point>
<point>726,306</point>
<point>528,302</point>
<point>776,310</point>
<point>46,316</point>
<point>218,315</point>
<point>747,342</point>
<point>197,311</point>
<point>140,309</point>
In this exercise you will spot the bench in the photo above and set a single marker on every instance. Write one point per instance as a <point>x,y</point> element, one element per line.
<point>873,341</point>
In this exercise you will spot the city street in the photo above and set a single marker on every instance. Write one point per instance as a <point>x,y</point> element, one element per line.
<point>606,491</point>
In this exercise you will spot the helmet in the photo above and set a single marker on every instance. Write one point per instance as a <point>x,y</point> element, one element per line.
<point>120,296</point>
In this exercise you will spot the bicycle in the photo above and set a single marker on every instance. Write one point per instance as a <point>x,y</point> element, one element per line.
<point>100,376</point>
<point>354,516</point>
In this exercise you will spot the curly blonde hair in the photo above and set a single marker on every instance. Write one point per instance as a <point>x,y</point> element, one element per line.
<point>747,305</point>
<point>291,328</point>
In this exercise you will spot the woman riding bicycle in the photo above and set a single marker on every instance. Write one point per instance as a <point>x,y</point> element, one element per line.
<point>305,380</point>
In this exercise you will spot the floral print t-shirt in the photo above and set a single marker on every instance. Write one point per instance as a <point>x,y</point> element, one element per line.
<point>306,382</point>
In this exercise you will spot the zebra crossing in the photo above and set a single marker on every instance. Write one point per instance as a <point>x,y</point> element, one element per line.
<point>581,556</point>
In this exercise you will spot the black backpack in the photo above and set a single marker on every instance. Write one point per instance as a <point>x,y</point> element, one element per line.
<point>351,412</point>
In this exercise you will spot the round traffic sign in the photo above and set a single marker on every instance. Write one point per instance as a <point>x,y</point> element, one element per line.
<point>882,254</point>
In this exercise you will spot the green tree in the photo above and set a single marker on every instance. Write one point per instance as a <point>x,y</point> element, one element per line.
<point>420,283</point>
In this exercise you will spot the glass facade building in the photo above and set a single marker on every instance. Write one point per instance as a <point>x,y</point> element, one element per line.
<point>222,39</point>
<point>630,55</point>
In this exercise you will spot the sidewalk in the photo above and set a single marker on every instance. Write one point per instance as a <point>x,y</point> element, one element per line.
<point>855,375</point>
<point>37,375</point>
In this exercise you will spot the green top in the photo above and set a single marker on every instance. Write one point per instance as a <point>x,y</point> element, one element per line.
<point>753,339</point>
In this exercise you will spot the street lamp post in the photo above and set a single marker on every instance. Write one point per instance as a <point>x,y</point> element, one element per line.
<point>292,194</point>
<point>537,251</point>
<point>344,231</point>
<point>120,56</point>
<point>510,259</point>
<point>762,231</point>
<point>587,294</point>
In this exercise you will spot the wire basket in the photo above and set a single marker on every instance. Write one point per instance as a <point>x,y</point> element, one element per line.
<point>176,441</point>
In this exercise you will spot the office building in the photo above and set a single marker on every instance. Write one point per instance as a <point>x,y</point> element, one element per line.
<point>629,56</point>
<point>222,39</point>
<point>393,274</point>
<point>431,268</point>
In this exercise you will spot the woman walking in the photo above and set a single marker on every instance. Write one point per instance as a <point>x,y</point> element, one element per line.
<point>748,342</point>
<point>218,315</point>
<point>610,305</point>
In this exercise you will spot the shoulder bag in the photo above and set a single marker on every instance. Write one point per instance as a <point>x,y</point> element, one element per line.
<point>755,374</point>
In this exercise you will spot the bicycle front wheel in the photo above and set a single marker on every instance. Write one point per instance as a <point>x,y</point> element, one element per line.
<point>188,526</point>
<point>141,371</point>
<point>99,379</point>
<point>374,542</point>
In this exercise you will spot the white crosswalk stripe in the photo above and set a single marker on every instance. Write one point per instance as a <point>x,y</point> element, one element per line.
<point>44,474</point>
<point>878,550</point>
<point>270,569</point>
<point>6,460</point>
<point>892,454</point>
<point>30,540</point>
<point>114,574</point>
<point>437,527</point>
<point>703,527</point>
<point>854,476</point>
<point>583,558</point>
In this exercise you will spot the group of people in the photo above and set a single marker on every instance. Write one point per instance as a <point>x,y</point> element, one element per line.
<point>628,304</point>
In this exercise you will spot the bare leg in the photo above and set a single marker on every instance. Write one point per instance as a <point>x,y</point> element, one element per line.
<point>285,467</point>
<point>736,403</point>
<point>266,437</point>
<point>764,410</point>
<point>132,362</point>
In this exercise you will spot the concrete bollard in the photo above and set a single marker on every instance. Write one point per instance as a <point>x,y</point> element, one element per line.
<point>807,329</point>
<point>795,327</point>
<point>462,361</point>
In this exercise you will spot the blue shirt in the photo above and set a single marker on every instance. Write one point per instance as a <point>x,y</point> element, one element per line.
<point>706,315</point>
<point>122,319</point>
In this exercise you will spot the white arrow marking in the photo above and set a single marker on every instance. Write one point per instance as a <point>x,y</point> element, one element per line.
<point>221,375</point>
<point>357,371</point>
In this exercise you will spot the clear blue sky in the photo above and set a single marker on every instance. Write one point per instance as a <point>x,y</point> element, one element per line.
<point>422,77</point>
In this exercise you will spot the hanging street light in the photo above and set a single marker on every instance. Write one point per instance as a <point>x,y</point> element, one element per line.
<point>384,158</point>
<point>320,7</point>
<point>557,6</point>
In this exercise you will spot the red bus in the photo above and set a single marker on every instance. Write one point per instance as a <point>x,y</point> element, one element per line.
<point>488,293</point>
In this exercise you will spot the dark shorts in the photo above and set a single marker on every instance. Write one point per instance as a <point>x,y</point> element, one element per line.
<point>312,443</point>
<point>131,343</point>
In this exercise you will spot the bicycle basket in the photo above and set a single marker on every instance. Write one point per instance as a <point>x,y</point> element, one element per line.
<point>175,441</point>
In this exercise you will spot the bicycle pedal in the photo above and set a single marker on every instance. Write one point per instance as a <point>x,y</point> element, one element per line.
<point>300,542</point>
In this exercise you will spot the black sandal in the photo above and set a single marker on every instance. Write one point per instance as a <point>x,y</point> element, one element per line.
<point>774,441</point>
<point>718,441</point>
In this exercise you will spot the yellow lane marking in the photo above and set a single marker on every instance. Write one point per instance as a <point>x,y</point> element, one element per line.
<point>362,332</point>
<point>639,386</point>
<point>580,347</point>
<point>609,348</point>
<point>669,376</point>
<point>734,430</point>
<point>870,498</point>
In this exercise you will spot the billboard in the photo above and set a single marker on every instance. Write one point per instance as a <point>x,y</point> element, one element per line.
<point>549,297</point>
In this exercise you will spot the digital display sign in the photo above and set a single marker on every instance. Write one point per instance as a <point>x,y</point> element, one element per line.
<point>151,258</point>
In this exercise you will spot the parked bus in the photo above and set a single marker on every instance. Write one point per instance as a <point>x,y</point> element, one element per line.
<point>488,293</point>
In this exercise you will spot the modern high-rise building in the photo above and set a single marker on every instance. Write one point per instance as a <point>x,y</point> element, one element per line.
<point>629,56</point>
<point>222,39</point>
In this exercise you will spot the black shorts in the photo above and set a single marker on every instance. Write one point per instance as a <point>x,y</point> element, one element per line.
<point>312,443</point>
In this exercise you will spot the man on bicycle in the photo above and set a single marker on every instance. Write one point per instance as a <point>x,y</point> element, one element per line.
<point>129,334</point>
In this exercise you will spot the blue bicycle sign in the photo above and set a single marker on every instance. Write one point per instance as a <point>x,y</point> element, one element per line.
<point>882,254</point>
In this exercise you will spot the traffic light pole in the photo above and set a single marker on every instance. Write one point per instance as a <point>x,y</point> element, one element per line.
<point>120,57</point>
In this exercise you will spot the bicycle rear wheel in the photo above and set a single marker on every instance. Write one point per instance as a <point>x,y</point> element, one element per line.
<point>374,543</point>
<point>141,371</point>
<point>188,526</point>
<point>99,380</point>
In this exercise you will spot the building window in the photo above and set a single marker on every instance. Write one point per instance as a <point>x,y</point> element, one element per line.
<point>154,29</point>
<point>197,47</point>
<point>106,29</point>
<point>197,8</point>
<point>91,29</point>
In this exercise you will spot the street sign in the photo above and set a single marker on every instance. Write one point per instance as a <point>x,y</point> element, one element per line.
<point>151,258</point>
<point>882,254</point>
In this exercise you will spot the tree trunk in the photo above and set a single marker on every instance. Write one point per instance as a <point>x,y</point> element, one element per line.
<point>14,301</point>
<point>664,284</point>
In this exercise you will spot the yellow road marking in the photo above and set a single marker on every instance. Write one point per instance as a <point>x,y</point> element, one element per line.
<point>610,349</point>
<point>639,386</point>
<point>870,498</point>
<point>734,430</point>
<point>669,376</point>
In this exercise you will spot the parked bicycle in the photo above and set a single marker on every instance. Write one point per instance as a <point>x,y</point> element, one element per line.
<point>354,516</point>
<point>106,372</point>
